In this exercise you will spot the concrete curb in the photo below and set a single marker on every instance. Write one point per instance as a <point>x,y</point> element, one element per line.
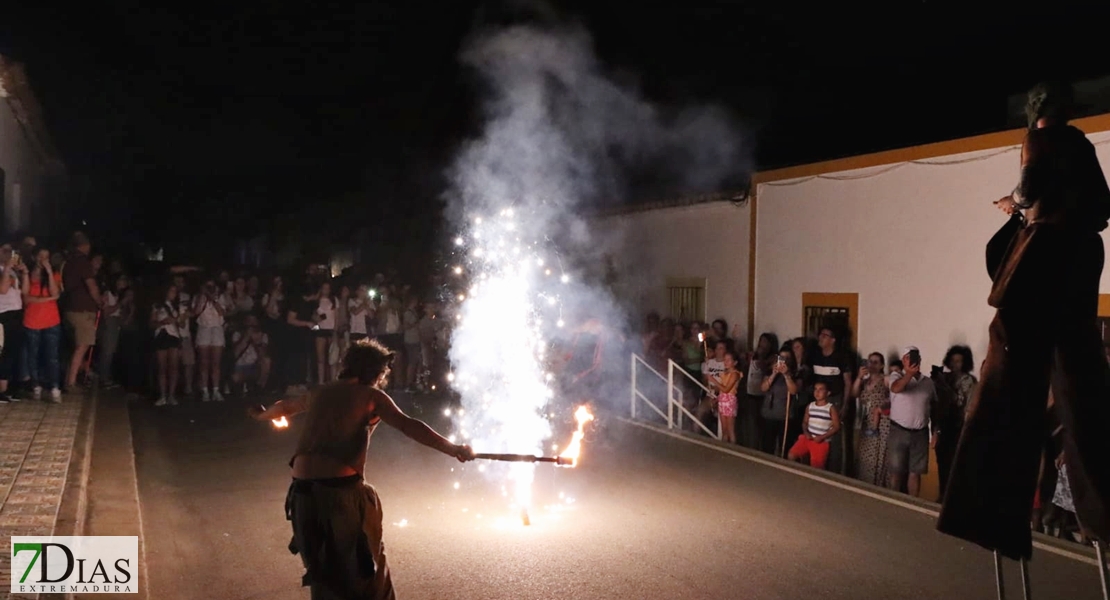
<point>113,504</point>
<point>73,507</point>
<point>72,513</point>
<point>1040,540</point>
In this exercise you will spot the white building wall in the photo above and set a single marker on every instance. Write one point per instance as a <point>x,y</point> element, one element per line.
<point>22,168</point>
<point>908,238</point>
<point>708,240</point>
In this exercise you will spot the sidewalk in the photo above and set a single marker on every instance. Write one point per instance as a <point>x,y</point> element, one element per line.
<point>36,447</point>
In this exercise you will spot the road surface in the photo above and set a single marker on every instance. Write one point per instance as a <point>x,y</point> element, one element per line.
<point>643,516</point>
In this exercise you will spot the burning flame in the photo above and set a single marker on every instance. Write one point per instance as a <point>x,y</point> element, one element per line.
<point>574,448</point>
<point>281,423</point>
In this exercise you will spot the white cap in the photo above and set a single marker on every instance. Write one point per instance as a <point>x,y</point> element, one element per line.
<point>909,349</point>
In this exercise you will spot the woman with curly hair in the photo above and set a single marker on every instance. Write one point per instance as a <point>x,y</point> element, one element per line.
<point>955,394</point>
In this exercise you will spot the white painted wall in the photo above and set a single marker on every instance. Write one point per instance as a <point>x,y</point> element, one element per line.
<point>21,167</point>
<point>909,239</point>
<point>707,240</point>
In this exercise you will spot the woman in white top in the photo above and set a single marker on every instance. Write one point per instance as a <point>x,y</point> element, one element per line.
<point>360,310</point>
<point>324,332</point>
<point>165,319</point>
<point>242,302</point>
<point>11,317</point>
<point>210,306</point>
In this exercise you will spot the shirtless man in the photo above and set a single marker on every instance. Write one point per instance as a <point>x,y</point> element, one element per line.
<point>337,517</point>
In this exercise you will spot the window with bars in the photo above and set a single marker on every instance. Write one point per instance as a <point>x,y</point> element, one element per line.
<point>818,317</point>
<point>686,299</point>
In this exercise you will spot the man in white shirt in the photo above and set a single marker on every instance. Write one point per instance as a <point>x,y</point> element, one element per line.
<point>912,398</point>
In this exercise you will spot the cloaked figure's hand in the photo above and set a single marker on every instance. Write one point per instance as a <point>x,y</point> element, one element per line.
<point>463,453</point>
<point>1006,205</point>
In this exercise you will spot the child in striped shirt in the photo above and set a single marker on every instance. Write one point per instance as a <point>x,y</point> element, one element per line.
<point>821,423</point>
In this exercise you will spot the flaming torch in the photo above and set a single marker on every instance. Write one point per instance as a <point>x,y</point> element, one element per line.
<point>281,423</point>
<point>583,416</point>
<point>569,457</point>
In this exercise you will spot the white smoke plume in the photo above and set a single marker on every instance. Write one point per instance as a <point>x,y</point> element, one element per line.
<point>559,138</point>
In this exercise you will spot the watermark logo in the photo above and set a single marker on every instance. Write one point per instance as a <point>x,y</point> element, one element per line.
<point>75,565</point>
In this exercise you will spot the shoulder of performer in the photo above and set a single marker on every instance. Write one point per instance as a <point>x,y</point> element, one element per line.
<point>380,403</point>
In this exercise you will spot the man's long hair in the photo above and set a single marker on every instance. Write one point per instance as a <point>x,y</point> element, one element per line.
<point>366,360</point>
<point>1050,99</point>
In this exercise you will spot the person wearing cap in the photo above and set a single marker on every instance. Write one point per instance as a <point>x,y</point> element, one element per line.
<point>1046,265</point>
<point>912,398</point>
<point>82,301</point>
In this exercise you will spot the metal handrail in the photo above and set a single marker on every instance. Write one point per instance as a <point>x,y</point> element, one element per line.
<point>672,401</point>
<point>636,393</point>
<point>671,366</point>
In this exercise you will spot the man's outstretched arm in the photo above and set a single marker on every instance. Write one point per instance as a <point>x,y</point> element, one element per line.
<point>415,429</point>
<point>281,408</point>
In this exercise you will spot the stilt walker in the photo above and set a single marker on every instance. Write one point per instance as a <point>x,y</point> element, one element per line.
<point>1045,266</point>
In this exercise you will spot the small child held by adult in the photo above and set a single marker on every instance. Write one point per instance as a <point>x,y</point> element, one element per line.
<point>821,422</point>
<point>725,384</point>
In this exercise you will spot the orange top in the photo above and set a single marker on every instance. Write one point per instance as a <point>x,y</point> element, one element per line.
<point>40,315</point>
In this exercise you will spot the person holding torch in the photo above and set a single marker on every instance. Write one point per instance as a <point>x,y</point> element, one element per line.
<point>336,516</point>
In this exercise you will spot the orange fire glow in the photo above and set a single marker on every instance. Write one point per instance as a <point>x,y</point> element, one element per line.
<point>281,423</point>
<point>574,449</point>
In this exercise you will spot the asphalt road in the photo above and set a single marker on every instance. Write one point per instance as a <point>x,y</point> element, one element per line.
<point>642,516</point>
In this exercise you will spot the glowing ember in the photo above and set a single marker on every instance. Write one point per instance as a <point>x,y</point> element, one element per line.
<point>281,423</point>
<point>574,448</point>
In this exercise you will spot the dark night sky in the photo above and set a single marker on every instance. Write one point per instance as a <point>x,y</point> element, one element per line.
<point>172,121</point>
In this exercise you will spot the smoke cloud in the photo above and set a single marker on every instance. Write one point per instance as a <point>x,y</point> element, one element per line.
<point>560,139</point>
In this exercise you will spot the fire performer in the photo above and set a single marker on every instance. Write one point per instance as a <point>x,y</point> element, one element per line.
<point>1045,266</point>
<point>336,517</point>
<point>587,358</point>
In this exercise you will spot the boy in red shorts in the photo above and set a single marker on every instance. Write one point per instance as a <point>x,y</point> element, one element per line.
<point>820,423</point>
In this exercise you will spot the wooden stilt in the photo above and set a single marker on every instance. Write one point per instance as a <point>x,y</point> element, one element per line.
<point>785,426</point>
<point>1100,556</point>
<point>998,576</point>
<point>1025,588</point>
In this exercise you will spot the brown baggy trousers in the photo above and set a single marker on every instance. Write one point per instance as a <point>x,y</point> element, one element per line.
<point>337,530</point>
<point>1044,334</point>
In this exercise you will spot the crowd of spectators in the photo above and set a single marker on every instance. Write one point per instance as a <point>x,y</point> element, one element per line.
<point>818,401</point>
<point>172,333</point>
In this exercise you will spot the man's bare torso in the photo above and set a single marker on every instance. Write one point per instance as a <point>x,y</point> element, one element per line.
<point>336,434</point>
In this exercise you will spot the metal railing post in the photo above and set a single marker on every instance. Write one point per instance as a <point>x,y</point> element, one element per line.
<point>633,408</point>
<point>681,402</point>
<point>670,394</point>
